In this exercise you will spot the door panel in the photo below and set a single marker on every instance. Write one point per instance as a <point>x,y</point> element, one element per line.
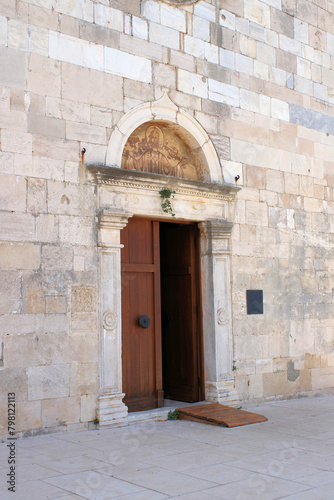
<point>179,313</point>
<point>141,347</point>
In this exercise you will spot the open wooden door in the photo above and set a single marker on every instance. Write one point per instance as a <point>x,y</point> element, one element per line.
<point>180,325</point>
<point>141,345</point>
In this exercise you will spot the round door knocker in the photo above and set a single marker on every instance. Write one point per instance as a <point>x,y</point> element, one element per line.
<point>144,321</point>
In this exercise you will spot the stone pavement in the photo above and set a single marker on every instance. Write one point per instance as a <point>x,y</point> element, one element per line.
<point>290,456</point>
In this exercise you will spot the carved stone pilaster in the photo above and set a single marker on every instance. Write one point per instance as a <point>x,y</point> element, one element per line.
<point>217,317</point>
<point>111,409</point>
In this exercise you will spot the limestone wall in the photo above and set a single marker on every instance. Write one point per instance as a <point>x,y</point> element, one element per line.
<point>259,76</point>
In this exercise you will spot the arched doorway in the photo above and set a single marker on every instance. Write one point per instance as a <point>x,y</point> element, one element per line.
<point>201,199</point>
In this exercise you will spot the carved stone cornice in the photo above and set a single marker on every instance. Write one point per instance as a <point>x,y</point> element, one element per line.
<point>128,179</point>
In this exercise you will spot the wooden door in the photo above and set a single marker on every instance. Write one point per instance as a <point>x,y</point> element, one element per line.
<point>141,347</point>
<point>180,326</point>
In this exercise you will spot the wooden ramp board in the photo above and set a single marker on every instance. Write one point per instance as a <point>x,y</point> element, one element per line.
<point>217,414</point>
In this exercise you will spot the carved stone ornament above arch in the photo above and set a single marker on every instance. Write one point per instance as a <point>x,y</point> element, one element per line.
<point>184,147</point>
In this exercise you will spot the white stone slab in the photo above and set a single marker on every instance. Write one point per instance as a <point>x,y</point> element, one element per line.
<point>76,51</point>
<point>173,18</point>
<point>3,30</point>
<point>191,83</point>
<point>127,65</point>
<point>205,10</point>
<point>108,17</point>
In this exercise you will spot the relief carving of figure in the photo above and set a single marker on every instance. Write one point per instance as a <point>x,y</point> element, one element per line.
<point>153,154</point>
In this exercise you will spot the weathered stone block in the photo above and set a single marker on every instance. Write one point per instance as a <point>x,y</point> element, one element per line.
<point>85,133</point>
<point>83,299</point>
<point>58,411</point>
<point>191,83</point>
<point>164,36</point>
<point>88,408</point>
<point>55,257</point>
<point>55,304</point>
<point>43,76</point>
<point>17,226</point>
<point>36,301</point>
<point>10,292</point>
<point>28,416</point>
<point>49,381</point>
<point>80,84</point>
<point>36,196</point>
<point>10,185</point>
<point>19,256</point>
<point>46,228</point>
<point>44,125</point>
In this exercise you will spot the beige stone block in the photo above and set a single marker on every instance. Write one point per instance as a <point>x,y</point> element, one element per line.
<point>48,168</point>
<point>256,213</point>
<point>80,84</point>
<point>83,299</point>
<point>10,292</point>
<point>48,381</point>
<point>19,256</point>
<point>76,230</point>
<point>291,184</point>
<point>55,149</point>
<point>60,411</point>
<point>70,199</point>
<point>36,196</point>
<point>322,378</point>
<point>44,76</point>
<point>269,197</point>
<point>72,172</point>
<point>15,63</point>
<point>87,378</point>
<point>85,133</point>
<point>313,205</point>
<point>255,386</point>
<point>55,304</point>
<point>88,408</point>
<point>6,163</point>
<point>44,17</point>
<point>28,416</point>
<point>84,348</point>
<point>45,125</point>
<point>319,192</point>
<point>12,193</point>
<point>57,258</point>
<point>101,117</point>
<point>257,12</point>
<point>67,110</point>
<point>46,228</point>
<point>164,75</point>
<point>275,181</point>
<point>248,46</point>
<point>19,142</point>
<point>255,177</point>
<point>36,301</point>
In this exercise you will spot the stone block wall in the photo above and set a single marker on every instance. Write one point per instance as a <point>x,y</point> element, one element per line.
<point>259,76</point>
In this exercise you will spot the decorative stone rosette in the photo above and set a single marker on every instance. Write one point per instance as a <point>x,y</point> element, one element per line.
<point>222,317</point>
<point>109,320</point>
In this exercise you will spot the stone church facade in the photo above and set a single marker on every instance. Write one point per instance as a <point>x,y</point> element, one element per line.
<point>224,110</point>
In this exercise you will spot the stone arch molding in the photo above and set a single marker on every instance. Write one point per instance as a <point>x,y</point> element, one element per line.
<point>165,110</point>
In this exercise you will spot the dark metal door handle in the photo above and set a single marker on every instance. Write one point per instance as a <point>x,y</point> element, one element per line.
<point>144,321</point>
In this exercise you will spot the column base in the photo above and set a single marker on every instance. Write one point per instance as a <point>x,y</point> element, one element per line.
<point>222,392</point>
<point>111,410</point>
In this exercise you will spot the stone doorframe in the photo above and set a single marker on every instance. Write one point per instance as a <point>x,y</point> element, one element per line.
<point>126,193</point>
<point>123,194</point>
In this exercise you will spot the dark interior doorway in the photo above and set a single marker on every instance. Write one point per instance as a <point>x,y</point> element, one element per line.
<point>179,312</point>
<point>160,280</point>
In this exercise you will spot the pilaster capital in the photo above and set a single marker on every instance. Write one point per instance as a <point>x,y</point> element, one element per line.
<point>110,223</point>
<point>216,229</point>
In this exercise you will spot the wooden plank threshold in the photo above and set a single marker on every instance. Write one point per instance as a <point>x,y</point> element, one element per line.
<point>217,414</point>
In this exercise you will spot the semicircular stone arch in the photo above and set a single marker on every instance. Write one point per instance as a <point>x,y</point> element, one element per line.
<point>159,137</point>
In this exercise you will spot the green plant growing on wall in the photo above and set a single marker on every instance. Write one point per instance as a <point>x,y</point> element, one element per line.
<point>166,205</point>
